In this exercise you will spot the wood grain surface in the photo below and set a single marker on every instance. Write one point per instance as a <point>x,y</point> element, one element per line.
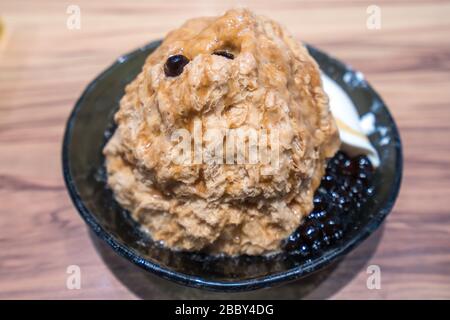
<point>44,67</point>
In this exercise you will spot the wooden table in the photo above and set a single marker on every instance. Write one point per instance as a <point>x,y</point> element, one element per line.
<point>44,66</point>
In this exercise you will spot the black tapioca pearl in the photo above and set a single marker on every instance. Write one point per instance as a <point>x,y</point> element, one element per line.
<point>333,166</point>
<point>347,183</point>
<point>317,246</point>
<point>341,188</point>
<point>331,226</point>
<point>364,163</point>
<point>309,232</point>
<point>326,240</point>
<point>340,157</point>
<point>174,65</point>
<point>359,184</point>
<point>364,177</point>
<point>328,181</point>
<point>293,241</point>
<point>303,250</point>
<point>344,189</point>
<point>370,191</point>
<point>318,215</point>
<point>357,189</point>
<point>331,170</point>
<point>320,201</point>
<point>349,167</point>
<point>334,195</point>
<point>338,235</point>
<point>345,203</point>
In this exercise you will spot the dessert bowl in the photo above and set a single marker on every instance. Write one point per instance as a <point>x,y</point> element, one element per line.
<point>91,124</point>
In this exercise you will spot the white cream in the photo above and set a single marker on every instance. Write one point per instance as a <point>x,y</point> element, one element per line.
<point>352,129</point>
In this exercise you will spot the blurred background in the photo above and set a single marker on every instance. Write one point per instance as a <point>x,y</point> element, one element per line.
<point>49,52</point>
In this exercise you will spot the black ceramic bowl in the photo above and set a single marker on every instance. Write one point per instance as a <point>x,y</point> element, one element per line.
<point>90,124</point>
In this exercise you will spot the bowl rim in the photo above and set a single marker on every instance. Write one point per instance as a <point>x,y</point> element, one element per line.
<point>195,280</point>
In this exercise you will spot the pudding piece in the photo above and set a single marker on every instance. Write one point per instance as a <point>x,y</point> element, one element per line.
<point>236,71</point>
